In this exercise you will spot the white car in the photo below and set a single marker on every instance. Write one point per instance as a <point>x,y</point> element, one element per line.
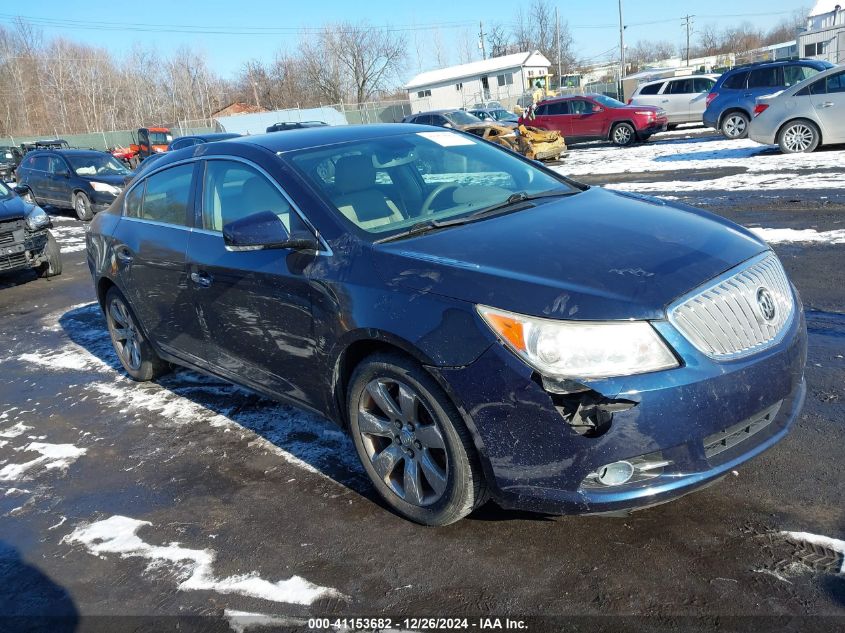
<point>804,116</point>
<point>683,98</point>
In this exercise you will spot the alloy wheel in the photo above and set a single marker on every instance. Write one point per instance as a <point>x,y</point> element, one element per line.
<point>125,335</point>
<point>798,137</point>
<point>735,126</point>
<point>403,441</point>
<point>622,135</point>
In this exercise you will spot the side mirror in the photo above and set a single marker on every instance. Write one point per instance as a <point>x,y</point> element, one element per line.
<point>598,108</point>
<point>63,173</point>
<point>447,125</point>
<point>263,230</point>
<point>20,190</point>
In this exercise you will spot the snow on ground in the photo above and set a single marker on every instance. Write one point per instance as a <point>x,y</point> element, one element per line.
<point>14,431</point>
<point>192,567</point>
<point>780,236</point>
<point>708,152</point>
<point>241,621</point>
<point>69,233</point>
<point>52,456</point>
<point>822,541</point>
<point>741,182</point>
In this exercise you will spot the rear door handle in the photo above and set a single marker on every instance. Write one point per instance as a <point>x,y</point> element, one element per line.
<point>123,254</point>
<point>202,279</point>
<point>827,104</point>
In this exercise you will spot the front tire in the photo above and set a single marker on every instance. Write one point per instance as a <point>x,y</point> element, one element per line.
<point>623,134</point>
<point>412,441</point>
<point>82,206</point>
<point>798,137</point>
<point>133,350</point>
<point>735,125</point>
<point>53,254</point>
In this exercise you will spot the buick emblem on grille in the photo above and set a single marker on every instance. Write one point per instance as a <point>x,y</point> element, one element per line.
<point>766,303</point>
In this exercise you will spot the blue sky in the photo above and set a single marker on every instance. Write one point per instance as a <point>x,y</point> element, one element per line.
<point>237,31</point>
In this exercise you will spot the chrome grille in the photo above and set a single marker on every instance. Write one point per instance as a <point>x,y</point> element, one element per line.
<point>726,318</point>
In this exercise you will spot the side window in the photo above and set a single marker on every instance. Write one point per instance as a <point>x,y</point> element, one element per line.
<point>232,191</point>
<point>736,82</point>
<point>424,119</point>
<point>133,201</point>
<point>167,194</point>
<point>28,163</point>
<point>56,165</point>
<point>795,74</point>
<point>765,78</point>
<point>653,89</point>
<point>680,87</point>
<point>182,142</point>
<point>437,119</point>
<point>818,87</point>
<point>836,83</point>
<point>42,163</point>
<point>702,84</point>
<point>580,106</point>
<point>542,110</point>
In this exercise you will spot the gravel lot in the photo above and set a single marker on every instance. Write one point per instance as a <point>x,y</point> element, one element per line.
<point>191,497</point>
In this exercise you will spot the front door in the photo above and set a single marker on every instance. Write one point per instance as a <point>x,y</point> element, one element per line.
<point>150,243</point>
<point>57,182</point>
<point>676,99</point>
<point>254,306</point>
<point>585,122</point>
<point>828,97</point>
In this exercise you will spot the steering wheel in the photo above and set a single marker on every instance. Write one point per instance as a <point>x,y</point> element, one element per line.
<point>429,199</point>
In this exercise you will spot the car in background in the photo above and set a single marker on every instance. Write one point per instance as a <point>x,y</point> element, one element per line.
<point>802,117</point>
<point>498,116</point>
<point>595,116</point>
<point>87,181</point>
<point>683,98</point>
<point>187,141</point>
<point>10,158</point>
<point>25,237</point>
<point>462,312</point>
<point>457,119</point>
<point>730,104</point>
<point>294,125</point>
<point>56,143</point>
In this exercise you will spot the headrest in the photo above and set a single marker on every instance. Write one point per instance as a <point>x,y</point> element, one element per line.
<point>354,173</point>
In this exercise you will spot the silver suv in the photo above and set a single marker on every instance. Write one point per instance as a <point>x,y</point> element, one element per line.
<point>683,98</point>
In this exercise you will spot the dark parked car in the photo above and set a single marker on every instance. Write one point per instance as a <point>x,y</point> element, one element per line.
<point>443,118</point>
<point>10,158</point>
<point>56,143</point>
<point>86,181</point>
<point>499,116</point>
<point>294,125</point>
<point>187,141</point>
<point>480,324</point>
<point>593,117</point>
<point>25,237</point>
<point>730,104</point>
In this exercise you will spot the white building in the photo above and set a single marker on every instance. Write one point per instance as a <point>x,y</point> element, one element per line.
<point>825,34</point>
<point>501,79</point>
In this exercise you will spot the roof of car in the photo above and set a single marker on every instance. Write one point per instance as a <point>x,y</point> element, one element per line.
<point>67,152</point>
<point>777,62</point>
<point>693,76</point>
<point>213,136</point>
<point>302,138</point>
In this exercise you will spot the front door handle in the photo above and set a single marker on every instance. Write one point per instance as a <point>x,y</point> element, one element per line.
<point>747,94</point>
<point>123,254</point>
<point>202,279</point>
<point>827,104</point>
<point>665,101</point>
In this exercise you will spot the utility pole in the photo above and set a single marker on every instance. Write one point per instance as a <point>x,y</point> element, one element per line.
<point>481,40</point>
<point>557,36</point>
<point>621,44</point>
<point>688,24</point>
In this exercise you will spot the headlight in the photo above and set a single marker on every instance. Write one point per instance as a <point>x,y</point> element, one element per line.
<point>644,112</point>
<point>581,349</point>
<point>37,219</point>
<point>104,187</point>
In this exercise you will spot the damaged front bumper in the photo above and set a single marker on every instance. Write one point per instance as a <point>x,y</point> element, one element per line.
<point>21,248</point>
<point>678,430</point>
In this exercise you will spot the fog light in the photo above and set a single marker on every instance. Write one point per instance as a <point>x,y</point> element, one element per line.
<point>615,474</point>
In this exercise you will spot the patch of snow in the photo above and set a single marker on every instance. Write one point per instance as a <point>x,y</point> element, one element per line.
<point>70,357</point>
<point>53,456</point>
<point>118,535</point>
<point>16,491</point>
<point>240,621</point>
<point>14,431</point>
<point>822,541</point>
<point>740,182</point>
<point>779,236</point>
<point>51,321</point>
<point>71,237</point>
<point>59,524</point>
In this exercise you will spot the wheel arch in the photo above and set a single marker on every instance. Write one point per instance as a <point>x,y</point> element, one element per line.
<point>104,284</point>
<point>731,110</point>
<point>801,118</point>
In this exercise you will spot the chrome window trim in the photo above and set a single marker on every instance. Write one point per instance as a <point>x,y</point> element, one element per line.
<point>714,283</point>
<point>326,250</point>
<point>157,223</point>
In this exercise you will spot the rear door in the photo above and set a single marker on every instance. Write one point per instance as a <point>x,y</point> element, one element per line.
<point>36,178</point>
<point>698,101</point>
<point>761,82</point>
<point>150,242</point>
<point>650,95</point>
<point>676,99</point>
<point>254,307</point>
<point>58,182</point>
<point>828,98</point>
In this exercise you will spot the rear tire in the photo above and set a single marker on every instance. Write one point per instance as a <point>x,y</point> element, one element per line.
<point>82,206</point>
<point>53,254</point>
<point>735,125</point>
<point>798,137</point>
<point>623,134</point>
<point>671,127</point>
<point>412,441</point>
<point>133,349</point>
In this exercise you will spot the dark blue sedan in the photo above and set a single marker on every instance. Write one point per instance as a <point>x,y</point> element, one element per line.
<point>482,326</point>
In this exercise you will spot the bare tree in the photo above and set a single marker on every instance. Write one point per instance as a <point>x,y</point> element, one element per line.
<point>498,39</point>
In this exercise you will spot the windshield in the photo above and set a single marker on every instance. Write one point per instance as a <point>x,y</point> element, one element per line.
<point>96,165</point>
<point>610,102</point>
<point>459,117</point>
<point>160,138</point>
<point>386,185</point>
<point>503,115</point>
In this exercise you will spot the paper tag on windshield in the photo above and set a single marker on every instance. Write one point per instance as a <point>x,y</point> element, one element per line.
<point>447,139</point>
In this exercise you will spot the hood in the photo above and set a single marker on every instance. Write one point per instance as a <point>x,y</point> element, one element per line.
<point>595,255</point>
<point>116,179</point>
<point>13,208</point>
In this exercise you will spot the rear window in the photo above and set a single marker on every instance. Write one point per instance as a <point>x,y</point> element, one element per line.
<point>836,83</point>
<point>737,81</point>
<point>702,84</point>
<point>653,89</point>
<point>166,196</point>
<point>680,87</point>
<point>765,78</point>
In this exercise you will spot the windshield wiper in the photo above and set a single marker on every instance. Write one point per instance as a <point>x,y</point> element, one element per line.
<point>514,202</point>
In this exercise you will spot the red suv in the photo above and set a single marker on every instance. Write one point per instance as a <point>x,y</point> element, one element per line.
<point>591,117</point>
